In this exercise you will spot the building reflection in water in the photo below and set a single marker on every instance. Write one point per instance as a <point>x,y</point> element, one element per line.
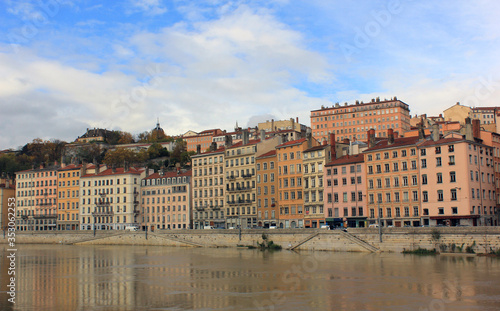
<point>56,277</point>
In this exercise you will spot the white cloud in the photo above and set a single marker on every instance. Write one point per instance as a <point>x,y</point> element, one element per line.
<point>149,7</point>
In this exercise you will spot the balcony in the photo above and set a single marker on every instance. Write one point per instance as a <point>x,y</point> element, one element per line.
<point>246,175</point>
<point>103,213</point>
<point>45,216</point>
<point>199,208</point>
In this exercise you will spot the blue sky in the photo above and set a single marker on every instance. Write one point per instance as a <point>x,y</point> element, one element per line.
<point>69,65</point>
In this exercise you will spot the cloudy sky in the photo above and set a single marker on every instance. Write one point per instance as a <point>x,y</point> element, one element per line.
<point>69,65</point>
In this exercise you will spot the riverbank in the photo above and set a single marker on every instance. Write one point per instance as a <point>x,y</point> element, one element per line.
<point>479,239</point>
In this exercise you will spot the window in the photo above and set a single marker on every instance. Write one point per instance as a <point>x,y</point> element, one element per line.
<point>422,152</point>
<point>438,161</point>
<point>454,210</point>
<point>451,160</point>
<point>453,194</point>
<point>403,153</point>
<point>395,167</point>
<point>398,212</point>
<point>441,210</point>
<point>439,177</point>
<point>424,163</point>
<point>453,177</point>
<point>440,195</point>
<point>438,150</point>
<point>424,179</point>
<point>425,196</point>
<point>405,166</point>
<point>405,181</point>
<point>451,148</point>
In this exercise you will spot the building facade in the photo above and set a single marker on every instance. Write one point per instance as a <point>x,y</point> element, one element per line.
<point>68,197</point>
<point>166,200</point>
<point>290,181</point>
<point>208,189</point>
<point>393,181</point>
<point>345,192</point>
<point>267,190</point>
<point>353,121</point>
<point>110,197</point>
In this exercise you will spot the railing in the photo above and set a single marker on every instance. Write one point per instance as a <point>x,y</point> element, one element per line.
<point>104,213</point>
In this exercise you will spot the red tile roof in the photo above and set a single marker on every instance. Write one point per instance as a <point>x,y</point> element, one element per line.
<point>118,171</point>
<point>292,142</point>
<point>440,141</point>
<point>347,160</point>
<point>267,154</point>
<point>169,174</point>
<point>398,142</point>
<point>70,167</point>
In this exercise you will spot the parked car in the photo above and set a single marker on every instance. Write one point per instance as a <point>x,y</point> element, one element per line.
<point>327,227</point>
<point>373,226</point>
<point>272,227</point>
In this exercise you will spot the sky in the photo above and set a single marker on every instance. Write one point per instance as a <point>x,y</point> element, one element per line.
<point>66,66</point>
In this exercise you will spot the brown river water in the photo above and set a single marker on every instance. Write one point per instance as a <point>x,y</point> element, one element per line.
<point>59,277</point>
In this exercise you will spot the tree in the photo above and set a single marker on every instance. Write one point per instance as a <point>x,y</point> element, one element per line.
<point>126,138</point>
<point>121,155</point>
<point>90,153</point>
<point>156,150</point>
<point>10,163</point>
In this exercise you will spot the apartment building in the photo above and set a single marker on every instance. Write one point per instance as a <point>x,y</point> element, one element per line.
<point>492,139</point>
<point>290,181</point>
<point>345,192</point>
<point>458,186</point>
<point>204,139</point>
<point>267,190</point>
<point>353,121</point>
<point>36,198</point>
<point>314,160</point>
<point>7,199</point>
<point>208,188</point>
<point>68,197</point>
<point>393,180</point>
<point>166,200</point>
<point>241,208</point>
<point>109,197</point>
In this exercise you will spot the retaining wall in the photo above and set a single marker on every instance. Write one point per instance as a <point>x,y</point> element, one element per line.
<point>482,239</point>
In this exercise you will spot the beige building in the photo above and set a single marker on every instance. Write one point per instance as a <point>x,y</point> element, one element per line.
<point>282,125</point>
<point>457,112</point>
<point>208,189</point>
<point>241,208</point>
<point>166,200</point>
<point>313,162</point>
<point>109,197</point>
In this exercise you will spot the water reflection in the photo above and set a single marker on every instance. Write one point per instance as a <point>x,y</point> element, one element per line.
<point>131,278</point>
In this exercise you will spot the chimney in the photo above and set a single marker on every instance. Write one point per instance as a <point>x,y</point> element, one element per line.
<point>309,138</point>
<point>371,138</point>
<point>113,168</point>
<point>468,130</point>
<point>178,168</point>
<point>435,132</point>
<point>228,141</point>
<point>245,137</point>
<point>297,120</point>
<point>293,124</point>
<point>476,128</point>
<point>333,146</point>
<point>262,135</point>
<point>125,167</point>
<point>198,149</point>
<point>390,136</point>
<point>83,169</point>
<point>272,125</point>
<point>421,130</point>
<point>324,142</point>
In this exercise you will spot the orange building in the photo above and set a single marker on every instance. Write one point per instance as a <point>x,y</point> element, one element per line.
<point>393,181</point>
<point>353,121</point>
<point>291,200</point>
<point>68,197</point>
<point>267,190</point>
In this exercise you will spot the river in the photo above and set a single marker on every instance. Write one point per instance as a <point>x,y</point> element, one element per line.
<point>60,277</point>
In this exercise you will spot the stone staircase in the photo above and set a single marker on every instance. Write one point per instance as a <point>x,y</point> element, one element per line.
<point>303,241</point>
<point>94,238</point>
<point>360,242</point>
<point>175,239</point>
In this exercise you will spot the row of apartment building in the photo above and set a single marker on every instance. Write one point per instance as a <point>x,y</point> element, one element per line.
<point>397,181</point>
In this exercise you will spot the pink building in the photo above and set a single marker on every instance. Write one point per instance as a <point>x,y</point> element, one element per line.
<point>345,192</point>
<point>457,181</point>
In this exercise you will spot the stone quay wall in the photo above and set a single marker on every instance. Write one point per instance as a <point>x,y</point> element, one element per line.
<point>446,239</point>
